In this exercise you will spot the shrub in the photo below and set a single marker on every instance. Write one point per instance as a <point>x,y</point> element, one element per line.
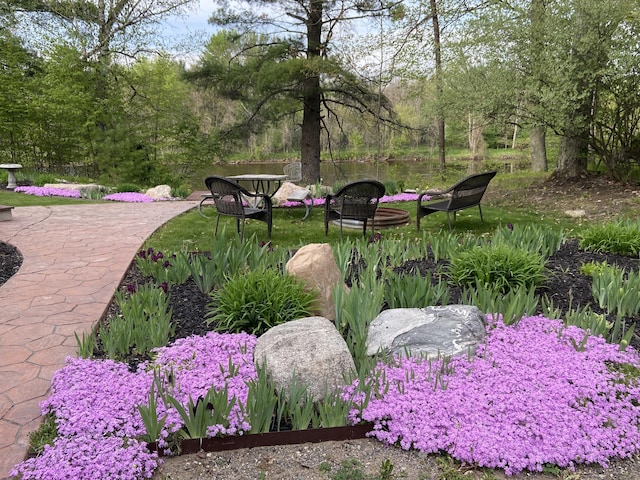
<point>500,267</point>
<point>622,237</point>
<point>255,301</point>
<point>127,187</point>
<point>182,191</point>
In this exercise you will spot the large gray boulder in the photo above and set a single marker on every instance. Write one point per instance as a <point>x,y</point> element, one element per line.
<point>447,330</point>
<point>312,349</point>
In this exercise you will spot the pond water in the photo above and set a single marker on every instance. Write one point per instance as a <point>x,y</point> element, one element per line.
<point>413,174</point>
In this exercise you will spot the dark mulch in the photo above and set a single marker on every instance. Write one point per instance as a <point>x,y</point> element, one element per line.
<point>10,261</point>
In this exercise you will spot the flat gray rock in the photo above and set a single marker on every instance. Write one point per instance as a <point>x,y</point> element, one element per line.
<point>430,332</point>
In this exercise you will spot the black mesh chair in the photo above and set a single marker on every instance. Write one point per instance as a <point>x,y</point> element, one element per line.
<point>233,200</point>
<point>464,194</point>
<point>355,201</point>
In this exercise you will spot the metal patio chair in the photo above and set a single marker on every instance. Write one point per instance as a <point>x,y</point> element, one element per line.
<point>233,200</point>
<point>355,201</point>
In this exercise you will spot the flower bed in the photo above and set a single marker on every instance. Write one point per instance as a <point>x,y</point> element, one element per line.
<point>529,398</point>
<point>49,192</point>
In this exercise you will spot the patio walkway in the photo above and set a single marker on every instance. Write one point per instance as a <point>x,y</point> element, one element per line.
<point>74,259</point>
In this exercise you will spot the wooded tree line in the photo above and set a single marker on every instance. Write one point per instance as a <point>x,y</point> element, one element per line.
<point>100,94</point>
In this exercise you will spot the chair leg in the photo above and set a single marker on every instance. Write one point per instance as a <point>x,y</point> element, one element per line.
<point>326,222</point>
<point>364,228</point>
<point>480,209</point>
<point>449,220</point>
<point>340,228</point>
<point>241,232</point>
<point>238,225</point>
<point>215,234</point>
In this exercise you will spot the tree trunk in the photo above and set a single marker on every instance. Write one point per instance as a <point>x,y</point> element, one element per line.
<point>537,140</point>
<point>438,58</point>
<point>311,98</point>
<point>572,157</point>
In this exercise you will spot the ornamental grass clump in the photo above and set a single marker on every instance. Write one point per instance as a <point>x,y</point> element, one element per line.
<point>621,237</point>
<point>497,266</point>
<point>528,399</point>
<point>258,300</point>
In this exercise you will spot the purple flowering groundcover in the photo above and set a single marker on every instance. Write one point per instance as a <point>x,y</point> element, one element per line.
<point>95,403</point>
<point>528,398</point>
<point>48,192</point>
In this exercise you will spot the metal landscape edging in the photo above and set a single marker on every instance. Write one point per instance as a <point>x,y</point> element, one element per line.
<point>290,437</point>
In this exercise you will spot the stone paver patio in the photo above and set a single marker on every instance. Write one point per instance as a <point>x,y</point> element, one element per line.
<point>74,259</point>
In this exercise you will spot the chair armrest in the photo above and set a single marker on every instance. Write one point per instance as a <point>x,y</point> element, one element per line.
<point>433,195</point>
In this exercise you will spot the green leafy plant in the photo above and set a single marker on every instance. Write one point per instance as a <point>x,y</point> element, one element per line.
<point>350,469</point>
<point>445,245</point>
<point>86,345</point>
<point>616,292</point>
<point>512,305</point>
<point>255,301</point>
<point>127,187</point>
<point>168,269</point>
<point>532,238</point>
<point>149,414</point>
<point>354,312</point>
<point>618,295</point>
<point>594,268</point>
<point>414,291</point>
<point>501,266</point>
<point>261,402</point>
<point>622,237</point>
<point>332,410</point>
<point>145,323</point>
<point>45,435</point>
<point>206,412</point>
<point>205,272</point>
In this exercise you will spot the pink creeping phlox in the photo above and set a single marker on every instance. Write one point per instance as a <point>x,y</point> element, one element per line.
<point>48,192</point>
<point>131,197</point>
<point>96,406</point>
<point>527,399</point>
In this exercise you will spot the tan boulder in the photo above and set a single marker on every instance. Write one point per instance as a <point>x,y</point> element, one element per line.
<point>284,192</point>
<point>161,192</point>
<point>315,265</point>
<point>309,350</point>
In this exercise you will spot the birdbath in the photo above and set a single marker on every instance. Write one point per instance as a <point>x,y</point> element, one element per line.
<point>11,169</point>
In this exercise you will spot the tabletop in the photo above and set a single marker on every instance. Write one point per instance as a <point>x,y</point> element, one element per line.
<point>259,176</point>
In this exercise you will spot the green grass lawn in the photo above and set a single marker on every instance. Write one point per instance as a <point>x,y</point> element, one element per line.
<point>192,232</point>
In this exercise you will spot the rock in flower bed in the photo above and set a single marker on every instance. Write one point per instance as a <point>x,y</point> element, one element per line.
<point>535,394</point>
